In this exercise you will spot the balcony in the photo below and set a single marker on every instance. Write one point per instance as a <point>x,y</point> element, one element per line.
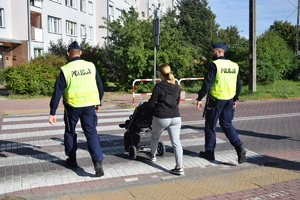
<point>36,34</point>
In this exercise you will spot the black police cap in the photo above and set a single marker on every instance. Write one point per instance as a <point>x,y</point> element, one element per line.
<point>74,45</point>
<point>219,45</point>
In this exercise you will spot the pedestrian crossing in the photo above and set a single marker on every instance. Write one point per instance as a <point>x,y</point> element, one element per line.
<point>40,168</point>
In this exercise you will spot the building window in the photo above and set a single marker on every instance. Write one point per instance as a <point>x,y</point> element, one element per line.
<point>1,17</point>
<point>91,8</point>
<point>36,3</point>
<point>82,5</point>
<point>111,13</point>
<point>57,1</point>
<point>53,25</point>
<point>118,13</point>
<point>83,31</point>
<point>91,33</point>
<point>71,3</point>
<point>70,28</point>
<point>38,52</point>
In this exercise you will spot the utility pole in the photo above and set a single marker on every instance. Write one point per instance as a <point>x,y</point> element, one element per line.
<point>297,31</point>
<point>252,45</point>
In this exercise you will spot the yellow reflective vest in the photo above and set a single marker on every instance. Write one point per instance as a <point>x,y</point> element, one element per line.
<point>81,90</point>
<point>224,85</point>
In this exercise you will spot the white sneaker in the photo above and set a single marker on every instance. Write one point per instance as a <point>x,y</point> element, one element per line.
<point>153,159</point>
<point>177,171</point>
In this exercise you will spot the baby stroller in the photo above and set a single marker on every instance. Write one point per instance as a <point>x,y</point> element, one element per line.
<point>138,131</point>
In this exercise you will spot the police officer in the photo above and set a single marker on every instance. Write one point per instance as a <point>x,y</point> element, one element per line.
<point>222,86</point>
<point>82,90</point>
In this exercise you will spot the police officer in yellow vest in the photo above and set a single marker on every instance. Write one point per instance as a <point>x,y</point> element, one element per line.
<point>82,90</point>
<point>222,86</point>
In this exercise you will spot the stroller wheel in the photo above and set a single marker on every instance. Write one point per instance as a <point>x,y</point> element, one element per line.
<point>161,149</point>
<point>132,152</point>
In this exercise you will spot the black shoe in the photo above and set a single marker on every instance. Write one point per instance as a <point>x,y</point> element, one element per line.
<point>98,169</point>
<point>208,155</point>
<point>71,163</point>
<point>241,152</point>
<point>177,171</point>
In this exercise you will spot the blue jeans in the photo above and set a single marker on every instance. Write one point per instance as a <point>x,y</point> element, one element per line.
<point>223,111</point>
<point>88,119</point>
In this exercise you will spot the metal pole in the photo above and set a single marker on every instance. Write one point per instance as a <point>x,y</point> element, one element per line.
<point>154,75</point>
<point>29,30</point>
<point>252,45</point>
<point>155,31</point>
<point>297,31</point>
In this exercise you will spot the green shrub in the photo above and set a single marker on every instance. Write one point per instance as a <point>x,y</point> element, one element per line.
<point>36,77</point>
<point>1,76</point>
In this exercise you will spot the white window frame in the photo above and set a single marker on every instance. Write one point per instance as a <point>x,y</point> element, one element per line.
<point>71,28</point>
<point>37,52</point>
<point>2,24</point>
<point>54,25</point>
<point>111,13</point>
<point>83,31</point>
<point>83,5</point>
<point>57,1</point>
<point>71,3</point>
<point>91,33</point>
<point>118,13</point>
<point>90,7</point>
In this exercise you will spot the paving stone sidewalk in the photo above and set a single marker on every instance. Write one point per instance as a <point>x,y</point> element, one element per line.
<point>270,173</point>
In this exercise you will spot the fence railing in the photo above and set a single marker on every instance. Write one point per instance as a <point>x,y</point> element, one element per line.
<point>187,79</point>
<point>179,82</point>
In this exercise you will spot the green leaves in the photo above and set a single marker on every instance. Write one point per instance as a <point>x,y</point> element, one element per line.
<point>36,77</point>
<point>274,57</point>
<point>131,48</point>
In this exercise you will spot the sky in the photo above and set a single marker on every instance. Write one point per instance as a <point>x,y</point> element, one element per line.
<point>236,13</point>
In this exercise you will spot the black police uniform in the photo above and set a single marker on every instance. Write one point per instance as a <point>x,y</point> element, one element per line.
<point>222,110</point>
<point>87,116</point>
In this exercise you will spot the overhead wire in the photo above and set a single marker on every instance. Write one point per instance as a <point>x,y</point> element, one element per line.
<point>296,8</point>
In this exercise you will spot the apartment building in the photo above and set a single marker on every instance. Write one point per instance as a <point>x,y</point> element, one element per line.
<point>28,26</point>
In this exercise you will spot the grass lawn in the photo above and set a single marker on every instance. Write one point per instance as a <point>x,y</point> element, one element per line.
<point>284,89</point>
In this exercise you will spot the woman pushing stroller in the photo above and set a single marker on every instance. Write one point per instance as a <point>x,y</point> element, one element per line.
<point>165,99</point>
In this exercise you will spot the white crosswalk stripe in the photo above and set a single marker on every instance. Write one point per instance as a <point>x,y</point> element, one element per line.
<point>44,124</point>
<point>81,139</point>
<point>60,116</point>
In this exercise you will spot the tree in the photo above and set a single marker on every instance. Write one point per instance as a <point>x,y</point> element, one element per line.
<point>131,49</point>
<point>229,36</point>
<point>287,31</point>
<point>198,24</point>
<point>274,57</point>
<point>183,58</point>
<point>239,53</point>
<point>59,48</point>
